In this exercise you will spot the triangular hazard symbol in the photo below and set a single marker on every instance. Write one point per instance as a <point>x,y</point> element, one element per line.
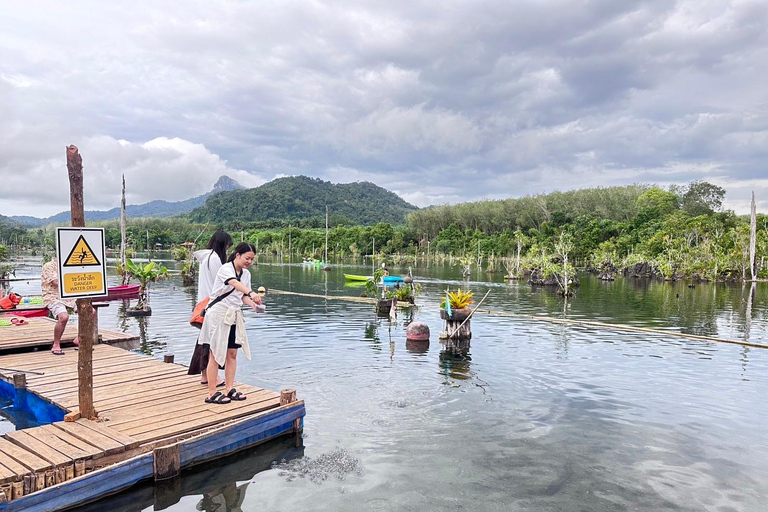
<point>82,255</point>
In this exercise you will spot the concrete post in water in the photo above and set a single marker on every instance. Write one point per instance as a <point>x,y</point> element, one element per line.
<point>86,314</point>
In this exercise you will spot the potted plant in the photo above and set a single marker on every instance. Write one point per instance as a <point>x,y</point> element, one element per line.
<point>405,294</point>
<point>144,274</point>
<point>384,303</point>
<point>459,302</point>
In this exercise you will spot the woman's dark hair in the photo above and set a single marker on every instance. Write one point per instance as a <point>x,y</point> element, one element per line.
<point>242,248</point>
<point>219,243</point>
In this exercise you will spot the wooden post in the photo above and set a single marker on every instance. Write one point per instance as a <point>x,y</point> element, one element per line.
<point>86,314</point>
<point>79,468</point>
<point>168,358</point>
<point>19,381</point>
<point>167,462</point>
<point>287,396</point>
<point>17,490</point>
<point>458,330</point>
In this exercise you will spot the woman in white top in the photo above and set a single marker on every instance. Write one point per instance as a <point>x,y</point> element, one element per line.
<point>223,329</point>
<point>211,259</point>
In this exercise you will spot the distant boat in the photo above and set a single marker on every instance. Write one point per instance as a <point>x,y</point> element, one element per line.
<point>353,277</point>
<point>127,291</point>
<point>385,279</point>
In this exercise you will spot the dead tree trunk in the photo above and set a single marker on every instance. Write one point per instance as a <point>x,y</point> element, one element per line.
<point>86,324</point>
<point>752,238</point>
<point>122,235</point>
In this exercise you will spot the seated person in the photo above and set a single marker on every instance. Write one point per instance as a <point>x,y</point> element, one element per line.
<point>59,308</point>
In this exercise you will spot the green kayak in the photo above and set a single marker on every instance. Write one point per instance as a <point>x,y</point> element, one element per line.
<point>352,277</point>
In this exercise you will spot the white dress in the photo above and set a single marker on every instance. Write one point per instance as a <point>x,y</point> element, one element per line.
<point>224,314</point>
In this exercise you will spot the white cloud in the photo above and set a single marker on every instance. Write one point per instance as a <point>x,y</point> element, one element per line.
<point>162,168</point>
<point>531,94</point>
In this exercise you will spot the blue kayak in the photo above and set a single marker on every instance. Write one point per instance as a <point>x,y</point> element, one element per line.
<point>392,279</point>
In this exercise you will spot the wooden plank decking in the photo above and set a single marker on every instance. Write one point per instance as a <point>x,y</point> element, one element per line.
<point>38,333</point>
<point>134,394</point>
<point>142,403</point>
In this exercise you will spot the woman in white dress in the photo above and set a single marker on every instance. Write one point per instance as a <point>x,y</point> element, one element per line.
<point>211,259</point>
<point>223,328</point>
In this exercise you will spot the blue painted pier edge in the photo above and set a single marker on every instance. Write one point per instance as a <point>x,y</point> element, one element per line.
<point>212,444</point>
<point>23,400</point>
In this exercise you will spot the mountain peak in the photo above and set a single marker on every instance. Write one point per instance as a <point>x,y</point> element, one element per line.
<point>226,183</point>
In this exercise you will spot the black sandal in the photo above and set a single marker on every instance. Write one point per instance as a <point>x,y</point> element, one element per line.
<point>236,395</point>
<point>217,398</point>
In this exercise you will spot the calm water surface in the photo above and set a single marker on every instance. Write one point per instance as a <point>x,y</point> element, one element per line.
<point>531,416</point>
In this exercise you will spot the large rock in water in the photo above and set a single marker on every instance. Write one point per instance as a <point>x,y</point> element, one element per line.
<point>417,331</point>
<point>537,280</point>
<point>640,270</point>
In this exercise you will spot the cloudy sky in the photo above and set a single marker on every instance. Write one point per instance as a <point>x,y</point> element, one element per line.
<point>440,102</point>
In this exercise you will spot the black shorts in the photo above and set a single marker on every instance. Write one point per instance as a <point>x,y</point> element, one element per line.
<point>232,335</point>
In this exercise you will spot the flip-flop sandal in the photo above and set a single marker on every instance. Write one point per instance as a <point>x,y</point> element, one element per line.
<point>236,395</point>
<point>217,398</point>
<point>4,323</point>
<point>57,352</point>
<point>19,321</point>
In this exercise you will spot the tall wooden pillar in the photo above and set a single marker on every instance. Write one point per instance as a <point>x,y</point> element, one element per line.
<point>86,314</point>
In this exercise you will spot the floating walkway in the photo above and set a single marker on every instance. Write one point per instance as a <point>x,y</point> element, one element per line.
<point>38,333</point>
<point>152,422</point>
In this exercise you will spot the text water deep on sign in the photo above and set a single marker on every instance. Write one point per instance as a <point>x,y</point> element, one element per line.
<point>87,282</point>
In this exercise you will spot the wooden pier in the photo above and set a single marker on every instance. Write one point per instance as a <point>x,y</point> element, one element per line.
<point>152,422</point>
<point>38,333</point>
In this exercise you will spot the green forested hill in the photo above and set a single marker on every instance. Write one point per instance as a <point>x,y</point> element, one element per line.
<point>299,198</point>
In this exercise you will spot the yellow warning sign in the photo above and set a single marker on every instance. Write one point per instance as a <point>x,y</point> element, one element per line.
<point>81,256</point>
<point>87,282</point>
